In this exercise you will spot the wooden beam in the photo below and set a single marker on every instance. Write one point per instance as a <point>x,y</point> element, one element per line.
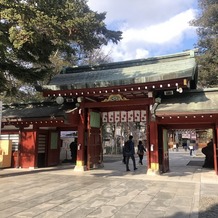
<point>139,103</point>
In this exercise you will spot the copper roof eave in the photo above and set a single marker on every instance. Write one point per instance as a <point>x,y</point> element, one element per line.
<point>187,113</point>
<point>143,87</point>
<point>29,119</point>
<point>23,123</point>
<point>134,74</point>
<point>73,85</point>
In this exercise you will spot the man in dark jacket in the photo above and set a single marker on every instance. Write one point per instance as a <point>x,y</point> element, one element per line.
<point>130,153</point>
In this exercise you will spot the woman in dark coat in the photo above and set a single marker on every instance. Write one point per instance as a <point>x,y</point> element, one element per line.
<point>141,150</point>
<point>209,155</point>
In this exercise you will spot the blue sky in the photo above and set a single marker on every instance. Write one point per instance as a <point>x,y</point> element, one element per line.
<point>150,27</point>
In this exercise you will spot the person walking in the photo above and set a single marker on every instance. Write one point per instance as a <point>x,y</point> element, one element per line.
<point>130,153</point>
<point>191,147</point>
<point>73,150</point>
<point>195,150</point>
<point>124,155</point>
<point>140,152</point>
<point>208,151</point>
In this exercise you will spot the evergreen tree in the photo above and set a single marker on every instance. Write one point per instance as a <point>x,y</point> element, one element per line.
<point>207,30</point>
<point>33,31</point>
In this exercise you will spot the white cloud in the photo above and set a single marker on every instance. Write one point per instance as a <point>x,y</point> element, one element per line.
<point>150,27</point>
<point>162,32</point>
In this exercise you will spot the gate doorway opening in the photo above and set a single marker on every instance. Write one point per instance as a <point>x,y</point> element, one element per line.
<point>116,128</point>
<point>118,125</point>
<point>68,148</point>
<point>182,148</point>
<point>114,136</point>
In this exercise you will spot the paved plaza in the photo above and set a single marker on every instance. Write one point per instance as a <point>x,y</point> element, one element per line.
<point>185,191</point>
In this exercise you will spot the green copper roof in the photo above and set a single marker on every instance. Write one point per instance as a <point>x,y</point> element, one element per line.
<point>35,110</point>
<point>192,102</point>
<point>181,65</point>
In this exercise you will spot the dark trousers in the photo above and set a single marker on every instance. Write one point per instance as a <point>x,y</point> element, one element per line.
<point>124,159</point>
<point>127,161</point>
<point>140,158</point>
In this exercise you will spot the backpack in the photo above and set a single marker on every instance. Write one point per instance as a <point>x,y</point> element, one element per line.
<point>127,147</point>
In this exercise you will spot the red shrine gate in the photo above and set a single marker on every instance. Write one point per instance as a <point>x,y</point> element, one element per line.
<point>164,87</point>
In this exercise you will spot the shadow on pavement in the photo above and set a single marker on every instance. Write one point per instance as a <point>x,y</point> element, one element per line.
<point>8,172</point>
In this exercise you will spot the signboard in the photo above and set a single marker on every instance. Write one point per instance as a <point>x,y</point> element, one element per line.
<point>54,140</point>
<point>95,119</point>
<point>0,115</point>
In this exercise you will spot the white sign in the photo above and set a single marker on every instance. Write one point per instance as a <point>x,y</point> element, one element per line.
<point>186,136</point>
<point>0,116</point>
<point>68,134</point>
<point>124,116</point>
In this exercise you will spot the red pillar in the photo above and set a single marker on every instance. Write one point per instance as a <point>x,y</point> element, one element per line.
<point>27,149</point>
<point>153,165</point>
<point>81,146</point>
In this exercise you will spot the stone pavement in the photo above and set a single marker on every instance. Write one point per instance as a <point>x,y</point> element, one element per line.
<point>185,191</point>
